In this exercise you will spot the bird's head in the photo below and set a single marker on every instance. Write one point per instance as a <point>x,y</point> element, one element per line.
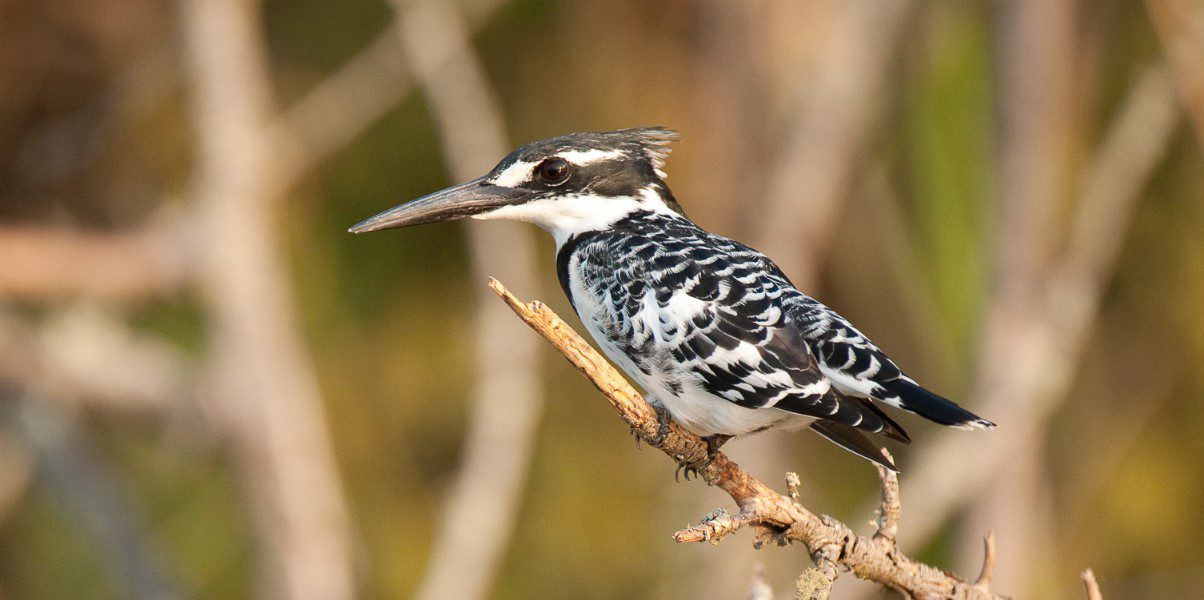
<point>567,184</point>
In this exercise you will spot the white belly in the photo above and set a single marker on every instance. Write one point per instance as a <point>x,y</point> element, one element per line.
<point>700,411</point>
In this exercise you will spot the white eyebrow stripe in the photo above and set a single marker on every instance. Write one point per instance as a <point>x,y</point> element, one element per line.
<point>520,172</point>
<point>515,174</point>
<point>585,157</point>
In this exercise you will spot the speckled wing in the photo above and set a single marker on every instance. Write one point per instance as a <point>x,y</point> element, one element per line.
<point>714,308</point>
<point>857,367</point>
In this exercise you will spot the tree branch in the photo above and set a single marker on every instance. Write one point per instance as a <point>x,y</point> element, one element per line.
<point>1040,350</point>
<point>40,261</point>
<point>1179,25</point>
<point>822,145</point>
<point>264,373</point>
<point>484,498</point>
<point>374,81</point>
<point>776,517</point>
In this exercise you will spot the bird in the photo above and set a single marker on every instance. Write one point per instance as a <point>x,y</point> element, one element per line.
<point>713,330</point>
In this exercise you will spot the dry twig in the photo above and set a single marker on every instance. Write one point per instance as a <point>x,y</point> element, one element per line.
<point>888,514</point>
<point>988,561</point>
<point>1091,585</point>
<point>775,517</point>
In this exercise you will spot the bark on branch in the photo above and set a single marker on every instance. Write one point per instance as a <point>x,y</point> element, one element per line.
<point>777,518</point>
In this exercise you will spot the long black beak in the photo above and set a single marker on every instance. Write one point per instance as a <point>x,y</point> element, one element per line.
<point>464,200</point>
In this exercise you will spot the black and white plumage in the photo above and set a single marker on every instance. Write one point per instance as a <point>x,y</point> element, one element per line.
<point>711,328</point>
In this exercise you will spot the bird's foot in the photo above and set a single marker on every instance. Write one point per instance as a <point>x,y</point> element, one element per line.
<point>688,470</point>
<point>691,470</point>
<point>662,425</point>
<point>714,442</point>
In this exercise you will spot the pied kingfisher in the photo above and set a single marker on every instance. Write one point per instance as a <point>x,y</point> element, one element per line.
<point>712,329</point>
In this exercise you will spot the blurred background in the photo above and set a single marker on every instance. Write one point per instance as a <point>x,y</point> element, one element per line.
<point>209,389</point>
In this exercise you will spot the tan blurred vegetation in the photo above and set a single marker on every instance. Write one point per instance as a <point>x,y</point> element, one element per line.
<point>209,389</point>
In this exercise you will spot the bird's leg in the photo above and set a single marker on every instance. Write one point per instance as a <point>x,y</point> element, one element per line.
<point>713,444</point>
<point>662,424</point>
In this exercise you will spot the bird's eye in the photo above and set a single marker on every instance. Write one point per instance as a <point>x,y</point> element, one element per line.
<point>554,171</point>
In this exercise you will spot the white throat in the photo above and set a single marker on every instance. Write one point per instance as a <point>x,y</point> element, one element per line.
<point>565,216</point>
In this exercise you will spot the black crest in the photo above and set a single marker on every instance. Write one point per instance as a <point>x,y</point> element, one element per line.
<point>651,143</point>
<point>641,165</point>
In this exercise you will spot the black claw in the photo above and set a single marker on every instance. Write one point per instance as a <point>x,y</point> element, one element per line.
<point>698,470</point>
<point>687,471</point>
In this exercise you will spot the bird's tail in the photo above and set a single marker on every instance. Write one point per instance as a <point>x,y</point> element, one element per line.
<point>854,441</point>
<point>913,398</point>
